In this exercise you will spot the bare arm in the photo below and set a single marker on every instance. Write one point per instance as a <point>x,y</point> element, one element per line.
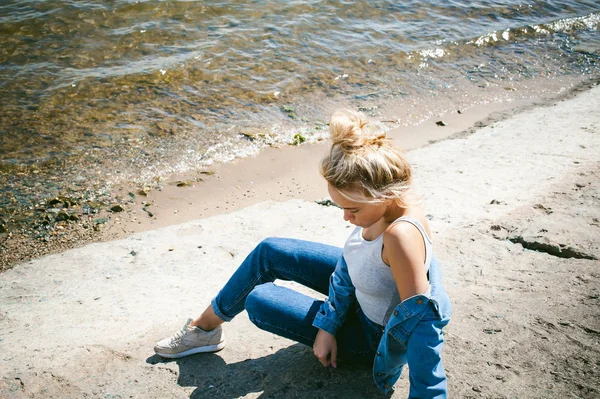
<point>404,250</point>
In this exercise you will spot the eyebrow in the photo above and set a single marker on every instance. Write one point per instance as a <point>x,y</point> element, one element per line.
<point>347,209</point>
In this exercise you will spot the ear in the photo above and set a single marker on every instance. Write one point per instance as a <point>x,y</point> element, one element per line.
<point>392,202</point>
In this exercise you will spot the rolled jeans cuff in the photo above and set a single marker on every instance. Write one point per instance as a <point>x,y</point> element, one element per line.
<point>218,312</point>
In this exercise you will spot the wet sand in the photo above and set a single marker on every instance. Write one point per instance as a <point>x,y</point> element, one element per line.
<point>285,173</point>
<point>513,207</point>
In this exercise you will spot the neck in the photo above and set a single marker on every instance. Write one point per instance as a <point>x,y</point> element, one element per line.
<point>393,212</point>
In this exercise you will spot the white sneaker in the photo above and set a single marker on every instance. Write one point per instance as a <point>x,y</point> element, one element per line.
<point>190,340</point>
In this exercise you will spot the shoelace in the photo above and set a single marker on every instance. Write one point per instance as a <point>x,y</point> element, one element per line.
<point>178,336</point>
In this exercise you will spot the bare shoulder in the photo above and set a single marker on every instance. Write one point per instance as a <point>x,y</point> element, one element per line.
<point>402,242</point>
<point>419,214</point>
<point>402,235</point>
<point>401,229</point>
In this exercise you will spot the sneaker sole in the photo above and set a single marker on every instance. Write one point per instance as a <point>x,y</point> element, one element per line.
<point>202,349</point>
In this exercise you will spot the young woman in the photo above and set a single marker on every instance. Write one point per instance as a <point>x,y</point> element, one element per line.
<point>386,303</point>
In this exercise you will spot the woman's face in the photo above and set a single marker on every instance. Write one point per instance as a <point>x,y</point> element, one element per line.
<point>361,214</point>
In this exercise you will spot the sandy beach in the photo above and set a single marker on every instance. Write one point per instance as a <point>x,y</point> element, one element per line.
<point>513,202</point>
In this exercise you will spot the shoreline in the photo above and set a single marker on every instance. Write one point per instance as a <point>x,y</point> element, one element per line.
<point>275,174</point>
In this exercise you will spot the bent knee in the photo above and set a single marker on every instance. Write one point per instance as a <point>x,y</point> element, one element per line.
<point>258,299</point>
<point>270,244</point>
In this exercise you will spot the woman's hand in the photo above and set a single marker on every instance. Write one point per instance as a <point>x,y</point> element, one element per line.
<point>325,348</point>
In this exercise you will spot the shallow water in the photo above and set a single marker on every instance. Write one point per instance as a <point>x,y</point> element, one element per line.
<point>100,92</point>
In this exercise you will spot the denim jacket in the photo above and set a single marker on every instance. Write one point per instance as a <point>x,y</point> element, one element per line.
<point>412,335</point>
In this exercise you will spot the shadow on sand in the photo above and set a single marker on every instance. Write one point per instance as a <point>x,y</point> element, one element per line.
<point>291,372</point>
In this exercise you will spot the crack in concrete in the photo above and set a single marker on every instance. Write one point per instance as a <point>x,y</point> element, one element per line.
<point>558,250</point>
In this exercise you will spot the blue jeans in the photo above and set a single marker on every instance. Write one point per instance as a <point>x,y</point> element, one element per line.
<point>286,312</point>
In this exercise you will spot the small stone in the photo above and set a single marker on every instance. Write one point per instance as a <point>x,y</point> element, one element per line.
<point>116,208</point>
<point>95,205</point>
<point>164,128</point>
<point>54,201</point>
<point>133,253</point>
<point>248,135</point>
<point>61,217</point>
<point>440,123</point>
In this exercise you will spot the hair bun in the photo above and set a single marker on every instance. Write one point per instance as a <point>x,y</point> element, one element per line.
<point>348,133</point>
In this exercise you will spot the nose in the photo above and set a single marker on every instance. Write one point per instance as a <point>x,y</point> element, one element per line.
<point>348,216</point>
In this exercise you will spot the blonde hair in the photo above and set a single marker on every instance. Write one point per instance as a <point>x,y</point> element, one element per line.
<point>364,166</point>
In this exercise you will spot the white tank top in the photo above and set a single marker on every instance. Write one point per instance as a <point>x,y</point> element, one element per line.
<point>376,289</point>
